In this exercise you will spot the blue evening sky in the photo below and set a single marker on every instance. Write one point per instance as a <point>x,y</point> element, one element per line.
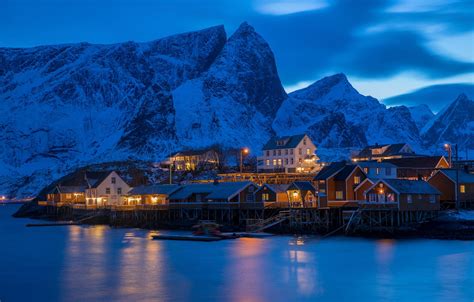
<point>385,47</point>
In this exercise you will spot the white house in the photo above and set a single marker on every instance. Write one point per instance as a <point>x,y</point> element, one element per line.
<point>289,154</point>
<point>105,188</point>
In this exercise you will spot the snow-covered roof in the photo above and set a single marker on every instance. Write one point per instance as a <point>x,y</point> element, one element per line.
<point>283,142</point>
<point>376,164</point>
<point>405,186</point>
<point>165,189</point>
<point>221,190</point>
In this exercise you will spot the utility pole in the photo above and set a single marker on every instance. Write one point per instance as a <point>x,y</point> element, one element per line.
<point>242,152</point>
<point>458,203</point>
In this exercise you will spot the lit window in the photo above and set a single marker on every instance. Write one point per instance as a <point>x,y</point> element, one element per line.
<point>280,162</point>
<point>113,180</point>
<point>274,162</point>
<point>462,188</point>
<point>308,151</point>
<point>390,197</point>
<point>107,190</point>
<point>68,196</point>
<point>339,195</point>
<point>265,197</point>
<point>356,180</point>
<point>268,162</point>
<point>409,198</point>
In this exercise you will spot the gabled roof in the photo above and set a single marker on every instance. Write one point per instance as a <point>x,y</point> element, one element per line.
<point>392,149</point>
<point>426,162</point>
<point>68,189</point>
<point>463,176</point>
<point>405,186</point>
<point>302,186</point>
<point>94,179</point>
<point>376,164</point>
<point>222,190</point>
<point>289,142</point>
<point>277,188</point>
<point>363,182</point>
<point>330,170</point>
<point>345,172</point>
<point>154,189</point>
<point>191,152</point>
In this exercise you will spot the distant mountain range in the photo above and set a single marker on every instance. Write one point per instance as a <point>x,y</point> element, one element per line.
<point>67,106</point>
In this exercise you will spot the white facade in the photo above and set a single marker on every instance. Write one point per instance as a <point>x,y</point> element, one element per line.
<point>300,157</point>
<point>108,192</point>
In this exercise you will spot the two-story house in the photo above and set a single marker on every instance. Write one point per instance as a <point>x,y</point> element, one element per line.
<point>104,188</point>
<point>289,154</point>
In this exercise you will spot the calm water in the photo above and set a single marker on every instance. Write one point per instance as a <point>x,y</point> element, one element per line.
<point>99,263</point>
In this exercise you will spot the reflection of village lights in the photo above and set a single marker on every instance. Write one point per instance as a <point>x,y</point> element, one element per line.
<point>2,197</point>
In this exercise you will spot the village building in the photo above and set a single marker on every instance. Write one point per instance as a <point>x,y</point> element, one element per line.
<point>289,154</point>
<point>61,194</point>
<point>302,194</point>
<point>154,195</point>
<point>378,170</point>
<point>191,160</point>
<point>336,183</point>
<point>384,151</point>
<point>273,195</point>
<point>445,181</point>
<point>402,194</point>
<point>217,192</point>
<point>105,188</point>
<point>422,167</point>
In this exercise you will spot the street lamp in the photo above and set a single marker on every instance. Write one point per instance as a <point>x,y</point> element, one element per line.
<point>243,151</point>
<point>447,147</point>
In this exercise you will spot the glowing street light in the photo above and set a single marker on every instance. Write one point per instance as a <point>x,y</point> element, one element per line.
<point>243,151</point>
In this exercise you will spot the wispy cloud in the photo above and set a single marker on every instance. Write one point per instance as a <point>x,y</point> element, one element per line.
<point>285,7</point>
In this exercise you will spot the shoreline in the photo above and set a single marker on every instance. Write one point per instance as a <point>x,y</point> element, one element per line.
<point>446,227</point>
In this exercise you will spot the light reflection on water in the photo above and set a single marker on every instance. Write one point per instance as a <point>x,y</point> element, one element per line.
<point>99,263</point>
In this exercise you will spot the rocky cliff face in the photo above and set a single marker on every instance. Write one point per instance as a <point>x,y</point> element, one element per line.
<point>234,102</point>
<point>454,125</point>
<point>421,114</point>
<point>335,115</point>
<point>67,106</point>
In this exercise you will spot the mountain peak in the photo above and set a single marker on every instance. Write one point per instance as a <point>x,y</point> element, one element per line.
<point>245,28</point>
<point>325,86</point>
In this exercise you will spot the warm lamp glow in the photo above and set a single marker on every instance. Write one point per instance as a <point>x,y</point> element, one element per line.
<point>245,150</point>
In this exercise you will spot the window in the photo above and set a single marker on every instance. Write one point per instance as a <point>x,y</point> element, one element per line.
<point>388,171</point>
<point>119,191</point>
<point>366,170</point>
<point>286,161</point>
<point>274,152</point>
<point>291,151</point>
<point>304,141</point>
<point>198,198</point>
<point>279,152</point>
<point>462,188</point>
<point>308,151</point>
<point>286,151</point>
<point>268,153</point>
<point>249,197</point>
<point>291,160</point>
<point>268,162</point>
<point>251,189</point>
<point>390,197</point>
<point>68,196</point>
<point>432,198</point>
<point>265,197</point>
<point>372,197</point>
<point>409,198</point>
<point>300,151</point>
<point>377,171</point>
<point>274,162</point>
<point>356,180</point>
<point>322,190</point>
<point>113,180</point>
<point>107,190</point>
<point>339,195</point>
<point>280,162</point>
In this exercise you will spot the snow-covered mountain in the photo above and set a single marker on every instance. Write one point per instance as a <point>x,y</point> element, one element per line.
<point>454,124</point>
<point>421,114</point>
<point>66,106</point>
<point>335,115</point>
<point>235,101</point>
